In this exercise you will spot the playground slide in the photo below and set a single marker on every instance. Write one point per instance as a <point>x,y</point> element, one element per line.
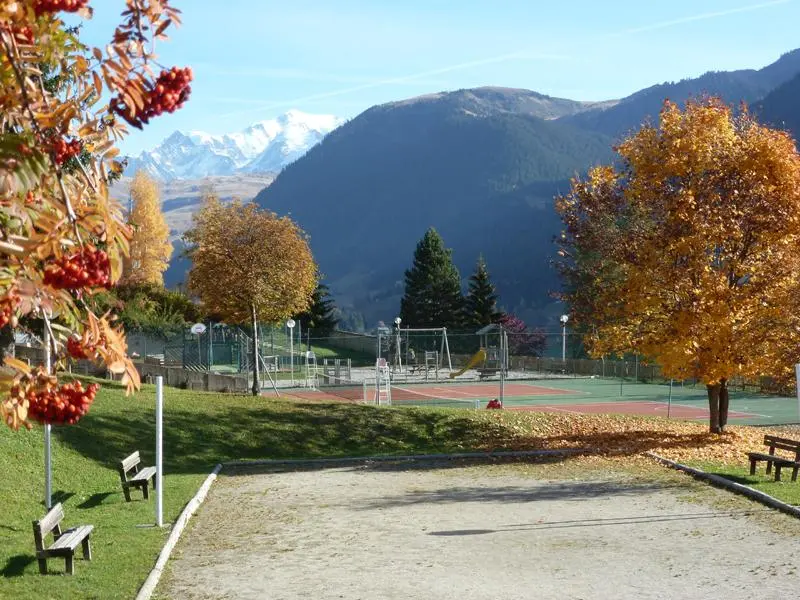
<point>478,357</point>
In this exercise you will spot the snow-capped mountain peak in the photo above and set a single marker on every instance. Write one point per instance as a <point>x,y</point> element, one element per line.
<point>263,147</point>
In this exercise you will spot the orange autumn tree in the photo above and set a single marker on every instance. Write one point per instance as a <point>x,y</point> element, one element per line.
<point>249,265</point>
<point>150,249</point>
<point>688,251</point>
<point>63,106</point>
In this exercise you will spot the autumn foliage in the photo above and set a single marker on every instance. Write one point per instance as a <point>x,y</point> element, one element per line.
<point>150,248</point>
<point>688,252</point>
<point>249,265</point>
<point>61,237</point>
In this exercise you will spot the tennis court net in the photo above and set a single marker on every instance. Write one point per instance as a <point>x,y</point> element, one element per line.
<point>427,395</point>
<point>347,389</point>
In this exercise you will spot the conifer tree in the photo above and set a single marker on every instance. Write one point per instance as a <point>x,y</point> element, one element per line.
<point>319,318</point>
<point>433,295</point>
<point>150,248</point>
<point>481,300</point>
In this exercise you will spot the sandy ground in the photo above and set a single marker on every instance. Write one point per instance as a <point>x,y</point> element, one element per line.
<point>467,533</point>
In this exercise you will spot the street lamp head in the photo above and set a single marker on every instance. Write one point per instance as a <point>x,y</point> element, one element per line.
<point>290,323</point>
<point>564,319</point>
<point>397,321</point>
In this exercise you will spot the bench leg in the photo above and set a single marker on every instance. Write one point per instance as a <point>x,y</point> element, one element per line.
<point>145,491</point>
<point>70,564</point>
<point>43,566</point>
<point>769,467</point>
<point>87,549</point>
<point>127,493</point>
<point>752,466</point>
<point>794,474</point>
<point>778,471</point>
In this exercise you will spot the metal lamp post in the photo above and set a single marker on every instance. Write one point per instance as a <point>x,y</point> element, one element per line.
<point>398,360</point>
<point>564,319</point>
<point>290,324</point>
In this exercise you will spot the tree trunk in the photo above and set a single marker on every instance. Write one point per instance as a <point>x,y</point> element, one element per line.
<point>6,342</point>
<point>256,382</point>
<point>713,407</point>
<point>724,401</point>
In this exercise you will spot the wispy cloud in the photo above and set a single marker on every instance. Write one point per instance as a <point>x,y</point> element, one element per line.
<point>525,54</point>
<point>700,17</point>
<point>295,74</point>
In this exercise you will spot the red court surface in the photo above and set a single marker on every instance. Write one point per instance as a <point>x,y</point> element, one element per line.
<point>432,392</point>
<point>642,408</point>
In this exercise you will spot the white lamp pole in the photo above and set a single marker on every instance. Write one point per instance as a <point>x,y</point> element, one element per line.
<point>399,359</point>
<point>564,319</point>
<point>290,324</point>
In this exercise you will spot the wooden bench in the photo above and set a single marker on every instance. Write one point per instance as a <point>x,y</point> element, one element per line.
<point>64,542</point>
<point>139,478</point>
<point>774,442</point>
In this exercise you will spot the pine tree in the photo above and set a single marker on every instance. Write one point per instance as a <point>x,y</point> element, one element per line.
<point>150,248</point>
<point>433,295</point>
<point>481,300</point>
<point>319,318</point>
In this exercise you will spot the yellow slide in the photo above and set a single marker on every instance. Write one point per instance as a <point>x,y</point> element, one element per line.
<point>478,357</point>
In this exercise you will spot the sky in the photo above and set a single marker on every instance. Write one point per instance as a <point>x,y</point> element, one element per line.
<point>255,59</point>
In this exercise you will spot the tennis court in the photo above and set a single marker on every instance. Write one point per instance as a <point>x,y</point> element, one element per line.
<point>576,395</point>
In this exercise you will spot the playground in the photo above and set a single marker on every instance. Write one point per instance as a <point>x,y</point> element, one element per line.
<point>419,531</point>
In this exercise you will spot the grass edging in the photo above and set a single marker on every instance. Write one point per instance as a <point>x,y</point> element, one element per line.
<point>410,457</point>
<point>723,482</point>
<point>149,585</point>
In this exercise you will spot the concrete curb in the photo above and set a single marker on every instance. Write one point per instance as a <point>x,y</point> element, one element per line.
<point>405,457</point>
<point>149,586</point>
<point>737,488</point>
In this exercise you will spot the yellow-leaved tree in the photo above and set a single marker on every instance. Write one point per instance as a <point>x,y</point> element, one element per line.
<point>688,251</point>
<point>150,249</point>
<point>249,265</point>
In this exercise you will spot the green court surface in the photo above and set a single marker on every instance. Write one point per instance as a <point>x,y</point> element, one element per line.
<point>596,395</point>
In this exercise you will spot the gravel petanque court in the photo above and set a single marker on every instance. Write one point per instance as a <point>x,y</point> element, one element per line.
<point>410,531</point>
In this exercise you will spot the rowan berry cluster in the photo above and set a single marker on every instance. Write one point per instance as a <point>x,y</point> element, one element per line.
<point>89,268</point>
<point>65,404</point>
<point>168,94</point>
<point>77,350</point>
<point>64,150</point>
<point>7,309</point>
<point>50,6</point>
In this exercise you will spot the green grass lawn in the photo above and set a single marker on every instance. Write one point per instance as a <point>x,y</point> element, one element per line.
<point>200,430</point>
<point>786,490</point>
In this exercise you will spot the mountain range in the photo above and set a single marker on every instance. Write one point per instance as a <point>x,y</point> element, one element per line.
<point>264,147</point>
<point>481,165</point>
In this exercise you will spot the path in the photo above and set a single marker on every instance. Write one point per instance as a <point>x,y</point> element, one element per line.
<point>468,533</point>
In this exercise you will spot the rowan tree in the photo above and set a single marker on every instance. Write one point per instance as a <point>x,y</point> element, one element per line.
<point>433,286</point>
<point>688,251</point>
<point>61,237</point>
<point>249,265</point>
<point>150,248</point>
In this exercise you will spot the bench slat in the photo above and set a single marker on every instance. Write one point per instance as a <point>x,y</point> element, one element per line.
<point>70,539</point>
<point>51,519</point>
<point>143,475</point>
<point>782,443</point>
<point>131,461</point>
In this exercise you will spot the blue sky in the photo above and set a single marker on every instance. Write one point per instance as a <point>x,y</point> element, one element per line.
<point>255,59</point>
